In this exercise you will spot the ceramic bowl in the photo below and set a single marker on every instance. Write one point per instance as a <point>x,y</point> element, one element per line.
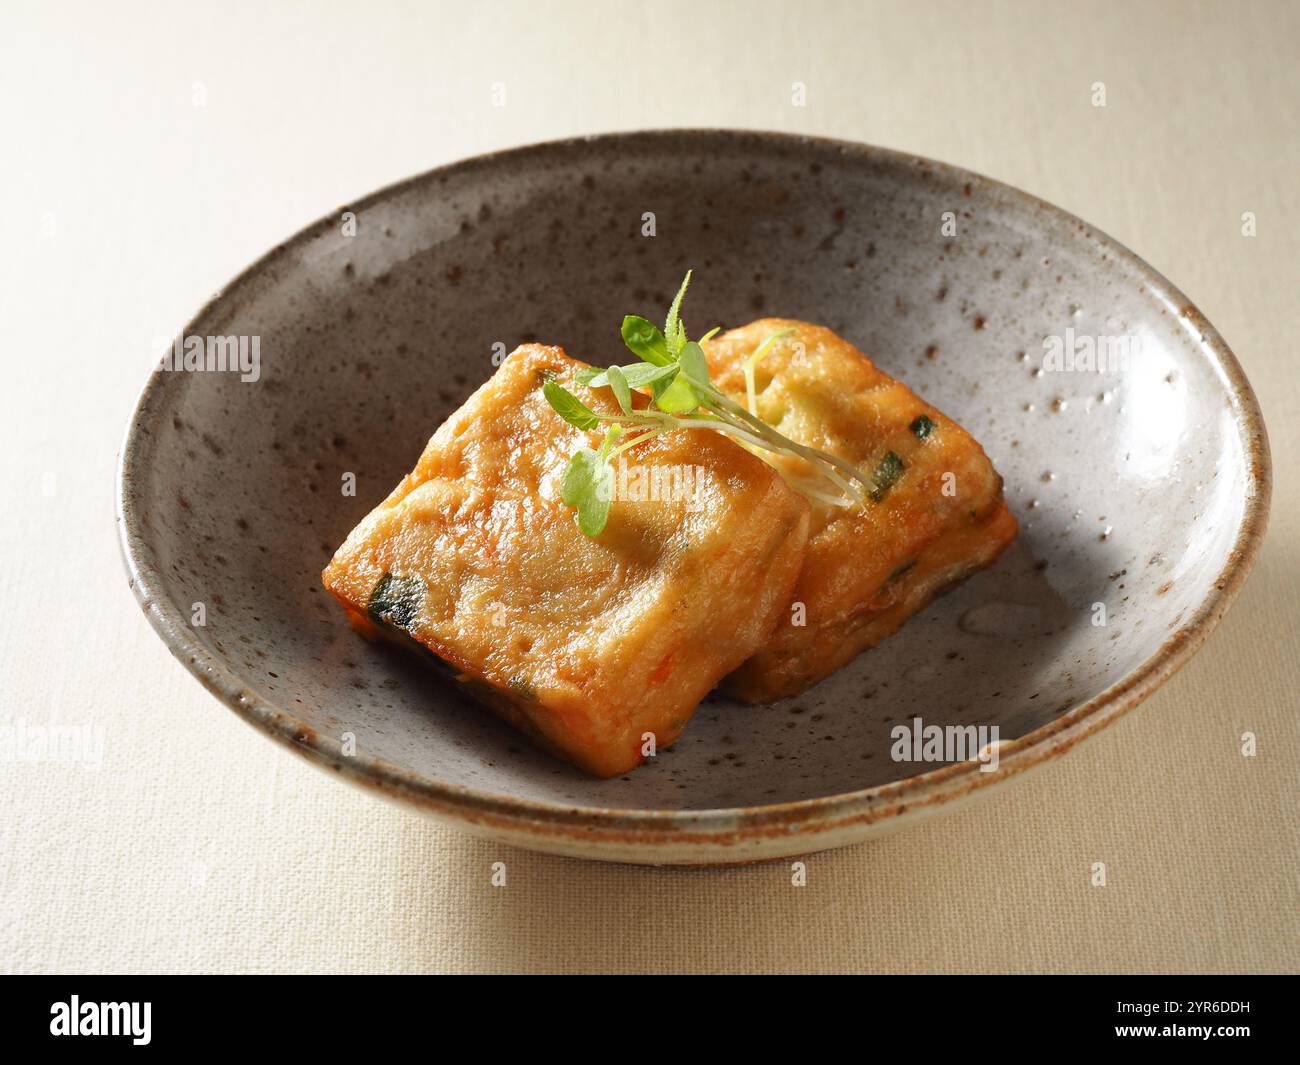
<point>1141,483</point>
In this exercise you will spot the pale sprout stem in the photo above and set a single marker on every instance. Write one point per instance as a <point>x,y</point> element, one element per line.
<point>751,362</point>
<point>632,441</point>
<point>743,434</point>
<point>767,432</point>
<point>819,460</point>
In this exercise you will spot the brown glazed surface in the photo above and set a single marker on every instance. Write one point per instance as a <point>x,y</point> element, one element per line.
<point>1145,489</point>
<point>868,569</point>
<point>587,643</point>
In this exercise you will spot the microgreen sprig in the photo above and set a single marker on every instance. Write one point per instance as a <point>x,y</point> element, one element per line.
<point>682,396</point>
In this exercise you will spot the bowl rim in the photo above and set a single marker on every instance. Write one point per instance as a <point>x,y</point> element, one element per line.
<point>735,824</point>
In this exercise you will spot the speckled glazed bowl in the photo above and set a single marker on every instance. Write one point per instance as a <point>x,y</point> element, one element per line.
<point>1141,485</point>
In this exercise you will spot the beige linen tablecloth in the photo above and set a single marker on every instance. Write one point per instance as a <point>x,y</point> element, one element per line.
<point>151,151</point>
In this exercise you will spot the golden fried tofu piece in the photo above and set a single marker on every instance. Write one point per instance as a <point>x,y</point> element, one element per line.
<point>585,644</point>
<point>936,515</point>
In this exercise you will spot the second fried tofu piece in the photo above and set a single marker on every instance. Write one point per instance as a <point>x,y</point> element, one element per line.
<point>937,513</point>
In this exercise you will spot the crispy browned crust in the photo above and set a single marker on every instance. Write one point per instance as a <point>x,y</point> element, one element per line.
<point>586,644</point>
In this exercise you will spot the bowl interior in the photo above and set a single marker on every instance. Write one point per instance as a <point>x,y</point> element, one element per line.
<point>1129,483</point>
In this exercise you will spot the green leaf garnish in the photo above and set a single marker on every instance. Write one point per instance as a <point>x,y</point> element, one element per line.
<point>693,363</point>
<point>637,375</point>
<point>676,371</point>
<point>569,407</point>
<point>618,385</point>
<point>677,397</point>
<point>661,384</point>
<point>644,340</point>
<point>674,329</point>
<point>588,486</point>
